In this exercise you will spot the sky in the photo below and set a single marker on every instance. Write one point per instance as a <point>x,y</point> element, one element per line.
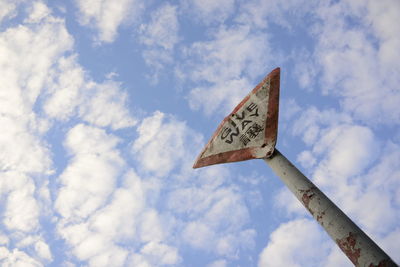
<point>105,105</point>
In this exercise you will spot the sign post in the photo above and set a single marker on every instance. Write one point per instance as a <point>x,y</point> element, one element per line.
<point>250,132</point>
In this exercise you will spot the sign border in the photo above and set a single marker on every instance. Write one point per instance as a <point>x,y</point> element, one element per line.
<point>271,129</point>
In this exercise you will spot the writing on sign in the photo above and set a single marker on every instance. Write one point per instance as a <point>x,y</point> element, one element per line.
<point>242,125</point>
<point>249,131</point>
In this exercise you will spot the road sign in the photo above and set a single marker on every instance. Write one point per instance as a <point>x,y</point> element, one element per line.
<point>250,130</point>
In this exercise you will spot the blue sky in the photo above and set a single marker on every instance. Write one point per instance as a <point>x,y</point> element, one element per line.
<point>104,106</point>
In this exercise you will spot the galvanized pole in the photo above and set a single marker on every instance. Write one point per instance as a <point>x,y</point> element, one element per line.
<point>358,247</point>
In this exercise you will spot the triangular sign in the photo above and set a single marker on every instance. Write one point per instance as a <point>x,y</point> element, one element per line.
<point>250,130</point>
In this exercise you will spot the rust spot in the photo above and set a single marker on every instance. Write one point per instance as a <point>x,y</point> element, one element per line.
<point>384,263</point>
<point>348,246</point>
<point>307,196</point>
<point>320,216</point>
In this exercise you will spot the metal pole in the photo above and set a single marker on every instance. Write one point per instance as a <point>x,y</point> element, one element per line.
<point>358,247</point>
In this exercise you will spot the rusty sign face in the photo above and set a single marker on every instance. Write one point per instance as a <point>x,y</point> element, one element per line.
<point>250,130</point>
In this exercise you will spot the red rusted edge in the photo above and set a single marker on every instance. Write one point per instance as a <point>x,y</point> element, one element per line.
<point>230,156</point>
<point>270,137</point>
<point>271,126</point>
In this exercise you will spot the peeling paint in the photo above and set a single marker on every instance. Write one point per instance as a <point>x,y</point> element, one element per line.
<point>307,196</point>
<point>320,217</point>
<point>357,246</point>
<point>348,246</point>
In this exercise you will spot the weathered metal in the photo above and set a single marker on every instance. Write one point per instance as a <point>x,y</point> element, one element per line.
<point>358,247</point>
<point>250,130</point>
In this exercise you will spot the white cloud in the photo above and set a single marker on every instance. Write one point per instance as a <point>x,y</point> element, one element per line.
<point>36,246</point>
<point>106,16</point>
<point>137,260</point>
<point>355,169</point>
<point>91,175</point>
<point>8,8</point>
<point>217,218</point>
<point>260,14</point>
<point>390,244</point>
<point>106,105</point>
<point>72,93</point>
<point>107,216</point>
<point>37,12</point>
<point>309,123</point>
<point>156,59</point>
<point>15,140</point>
<point>151,228</point>
<point>162,30</point>
<point>161,254</point>
<point>105,211</point>
<point>41,73</point>
<point>379,192</point>
<point>64,89</point>
<point>27,53</point>
<point>17,258</point>
<point>337,258</point>
<point>218,263</point>
<point>232,48</point>
<point>203,210</point>
<point>160,147</point>
<point>25,161</point>
<point>305,70</point>
<point>21,208</point>
<point>227,65</point>
<point>43,250</point>
<point>295,243</point>
<point>160,36</point>
<point>339,159</point>
<point>306,159</point>
<point>357,57</point>
<point>341,162</point>
<point>4,240</point>
<point>30,51</point>
<point>225,93</point>
<point>36,64</point>
<point>198,235</point>
<point>96,236</point>
<point>209,11</point>
<point>382,14</point>
<point>111,231</point>
<point>286,201</point>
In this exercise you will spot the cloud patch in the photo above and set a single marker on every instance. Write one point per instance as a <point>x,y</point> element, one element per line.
<point>160,36</point>
<point>208,11</point>
<point>357,60</point>
<point>224,67</point>
<point>294,244</point>
<point>161,145</point>
<point>106,16</point>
